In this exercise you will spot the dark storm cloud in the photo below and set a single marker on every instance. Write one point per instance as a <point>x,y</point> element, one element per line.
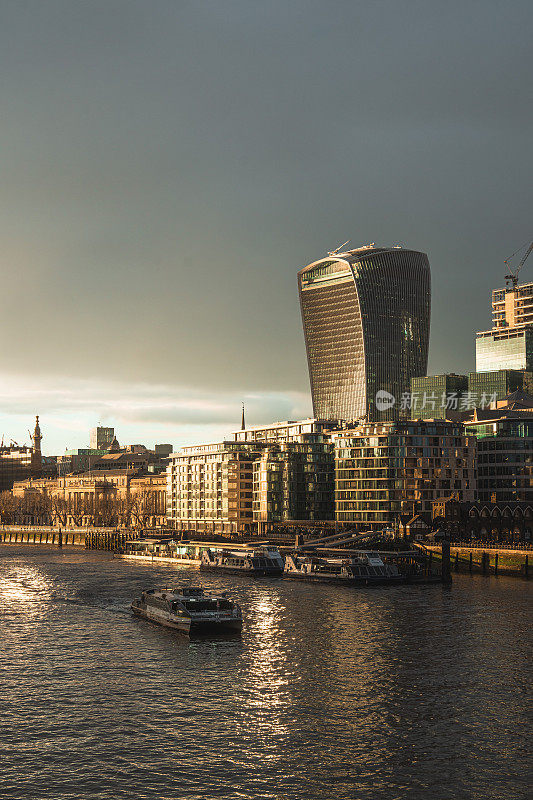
<point>167,168</point>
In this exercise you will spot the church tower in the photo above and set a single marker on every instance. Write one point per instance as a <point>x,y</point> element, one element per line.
<point>36,455</point>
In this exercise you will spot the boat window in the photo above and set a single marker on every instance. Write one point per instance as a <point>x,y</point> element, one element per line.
<point>203,604</point>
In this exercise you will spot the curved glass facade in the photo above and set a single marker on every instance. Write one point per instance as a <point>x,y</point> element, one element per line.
<point>366,317</point>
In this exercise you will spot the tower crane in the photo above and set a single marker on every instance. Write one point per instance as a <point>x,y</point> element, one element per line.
<point>512,277</point>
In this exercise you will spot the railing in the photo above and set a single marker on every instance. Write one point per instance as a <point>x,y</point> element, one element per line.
<point>483,544</point>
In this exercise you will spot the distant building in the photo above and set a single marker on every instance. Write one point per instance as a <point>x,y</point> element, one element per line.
<point>146,461</point>
<point>18,462</point>
<point>101,438</point>
<point>504,437</point>
<point>505,349</point>
<point>120,497</point>
<point>79,460</point>
<point>366,316</point>
<point>512,307</point>
<point>163,450</point>
<point>393,471</point>
<point>509,344</point>
<point>437,396</point>
<point>49,466</point>
<point>497,384</point>
<point>15,465</point>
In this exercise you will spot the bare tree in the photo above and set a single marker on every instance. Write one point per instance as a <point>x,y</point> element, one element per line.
<point>59,510</point>
<point>8,508</point>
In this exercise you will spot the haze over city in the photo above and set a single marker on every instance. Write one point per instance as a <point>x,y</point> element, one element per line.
<point>168,168</point>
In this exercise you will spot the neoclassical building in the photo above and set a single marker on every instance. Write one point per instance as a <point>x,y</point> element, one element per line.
<point>119,497</point>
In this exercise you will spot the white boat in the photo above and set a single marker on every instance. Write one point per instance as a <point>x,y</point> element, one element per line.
<point>363,568</point>
<point>189,609</point>
<point>262,560</point>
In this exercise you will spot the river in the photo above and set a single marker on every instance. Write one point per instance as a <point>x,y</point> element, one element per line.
<point>415,692</point>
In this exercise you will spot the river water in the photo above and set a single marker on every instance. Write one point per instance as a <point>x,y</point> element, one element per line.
<point>331,692</point>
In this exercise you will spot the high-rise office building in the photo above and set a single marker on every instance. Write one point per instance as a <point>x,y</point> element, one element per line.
<point>506,348</point>
<point>437,396</point>
<point>498,384</point>
<point>509,344</point>
<point>101,438</point>
<point>366,315</point>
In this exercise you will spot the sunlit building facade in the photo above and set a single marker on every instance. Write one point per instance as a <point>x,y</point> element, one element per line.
<point>437,396</point>
<point>386,473</point>
<point>210,488</point>
<point>509,343</point>
<point>366,316</point>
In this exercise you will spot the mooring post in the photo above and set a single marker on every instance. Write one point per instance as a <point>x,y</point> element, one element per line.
<point>457,561</point>
<point>470,563</point>
<point>526,567</point>
<point>446,574</point>
<point>496,564</point>
<point>484,557</point>
<point>60,538</point>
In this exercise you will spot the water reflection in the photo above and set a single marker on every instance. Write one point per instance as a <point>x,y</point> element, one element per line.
<point>23,584</point>
<point>329,693</point>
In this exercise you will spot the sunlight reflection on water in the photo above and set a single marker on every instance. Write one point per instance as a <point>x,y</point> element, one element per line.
<point>408,692</point>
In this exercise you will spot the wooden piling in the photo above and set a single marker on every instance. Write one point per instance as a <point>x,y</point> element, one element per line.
<point>496,564</point>
<point>446,574</point>
<point>456,566</point>
<point>470,562</point>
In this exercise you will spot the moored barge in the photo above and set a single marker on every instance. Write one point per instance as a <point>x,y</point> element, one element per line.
<point>259,561</point>
<point>364,568</point>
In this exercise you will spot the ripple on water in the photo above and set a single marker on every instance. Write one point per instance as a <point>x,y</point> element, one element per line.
<point>330,693</point>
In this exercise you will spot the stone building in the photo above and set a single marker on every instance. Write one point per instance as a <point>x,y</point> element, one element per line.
<point>505,522</point>
<point>111,498</point>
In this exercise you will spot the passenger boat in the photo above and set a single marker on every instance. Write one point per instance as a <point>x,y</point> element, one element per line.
<point>364,568</point>
<point>189,609</point>
<point>259,561</point>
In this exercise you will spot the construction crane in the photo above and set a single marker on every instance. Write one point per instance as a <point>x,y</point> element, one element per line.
<point>512,277</point>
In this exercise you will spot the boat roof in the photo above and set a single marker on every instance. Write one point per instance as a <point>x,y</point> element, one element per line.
<point>191,592</point>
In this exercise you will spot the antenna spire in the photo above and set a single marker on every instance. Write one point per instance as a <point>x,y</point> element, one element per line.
<point>243,424</point>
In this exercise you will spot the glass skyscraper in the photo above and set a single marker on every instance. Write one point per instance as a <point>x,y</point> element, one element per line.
<point>366,315</point>
<point>508,348</point>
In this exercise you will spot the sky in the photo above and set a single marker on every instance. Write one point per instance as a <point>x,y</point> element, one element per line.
<point>168,166</point>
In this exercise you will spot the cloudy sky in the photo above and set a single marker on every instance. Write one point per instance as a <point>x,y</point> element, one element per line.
<point>168,166</point>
